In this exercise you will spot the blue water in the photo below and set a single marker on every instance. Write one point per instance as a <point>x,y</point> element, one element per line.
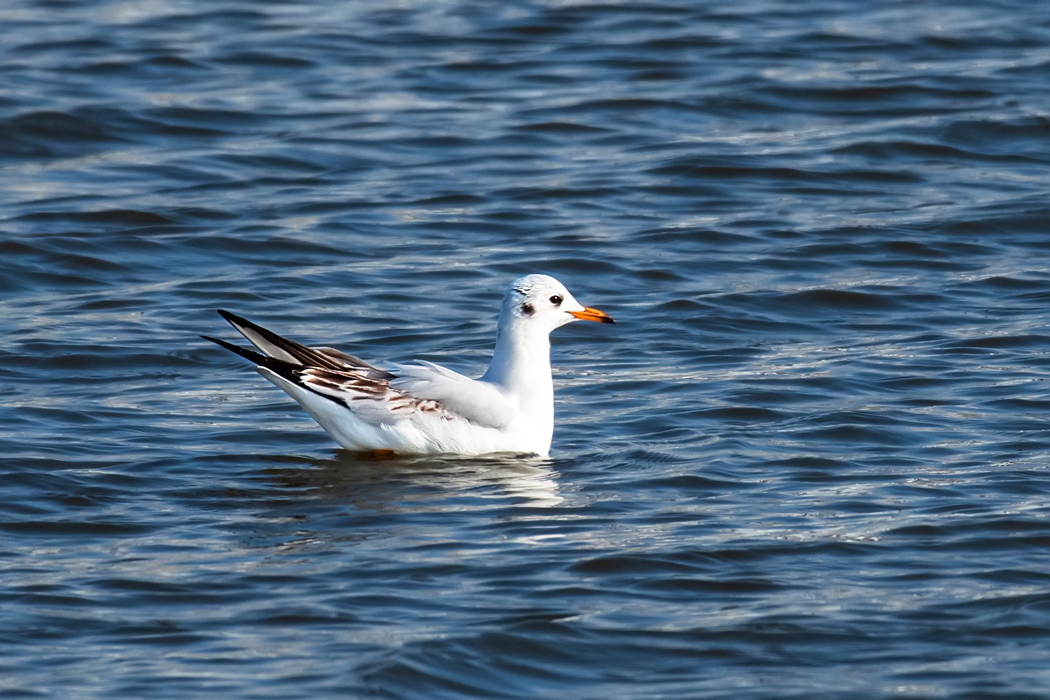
<point>810,460</point>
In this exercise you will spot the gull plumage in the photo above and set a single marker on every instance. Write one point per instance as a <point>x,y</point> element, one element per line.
<point>426,408</point>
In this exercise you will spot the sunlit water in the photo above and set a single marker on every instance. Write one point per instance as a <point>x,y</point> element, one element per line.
<point>811,460</point>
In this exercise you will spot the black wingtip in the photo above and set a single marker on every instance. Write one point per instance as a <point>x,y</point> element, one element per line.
<point>247,354</point>
<point>233,318</point>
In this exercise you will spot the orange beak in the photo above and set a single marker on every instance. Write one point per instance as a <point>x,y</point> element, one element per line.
<point>589,314</point>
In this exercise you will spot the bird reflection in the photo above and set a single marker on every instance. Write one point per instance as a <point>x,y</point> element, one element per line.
<point>385,483</point>
<point>308,504</point>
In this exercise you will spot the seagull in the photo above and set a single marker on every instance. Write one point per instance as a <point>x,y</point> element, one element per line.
<point>425,408</point>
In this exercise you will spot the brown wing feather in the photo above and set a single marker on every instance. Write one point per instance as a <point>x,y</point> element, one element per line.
<point>350,386</point>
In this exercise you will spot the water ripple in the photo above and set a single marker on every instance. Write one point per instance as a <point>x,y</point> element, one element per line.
<point>810,459</point>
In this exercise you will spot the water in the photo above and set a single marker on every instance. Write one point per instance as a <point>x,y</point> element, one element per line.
<point>811,460</point>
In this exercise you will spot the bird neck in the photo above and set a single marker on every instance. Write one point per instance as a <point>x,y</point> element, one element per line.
<point>521,365</point>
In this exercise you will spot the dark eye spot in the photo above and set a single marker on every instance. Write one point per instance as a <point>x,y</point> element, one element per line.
<point>527,309</point>
<point>556,300</point>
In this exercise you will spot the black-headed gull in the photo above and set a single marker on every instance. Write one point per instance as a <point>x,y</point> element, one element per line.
<point>426,408</point>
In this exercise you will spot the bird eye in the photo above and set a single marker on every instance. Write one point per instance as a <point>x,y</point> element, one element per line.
<point>556,300</point>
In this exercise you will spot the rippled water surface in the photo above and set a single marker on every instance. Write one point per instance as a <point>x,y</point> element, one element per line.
<point>810,461</point>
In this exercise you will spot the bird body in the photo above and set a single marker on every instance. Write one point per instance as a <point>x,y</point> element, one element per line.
<point>426,408</point>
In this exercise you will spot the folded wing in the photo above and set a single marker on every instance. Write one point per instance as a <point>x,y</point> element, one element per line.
<point>373,394</point>
<point>479,402</point>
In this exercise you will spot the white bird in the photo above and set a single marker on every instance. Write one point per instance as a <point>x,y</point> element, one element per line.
<point>426,408</point>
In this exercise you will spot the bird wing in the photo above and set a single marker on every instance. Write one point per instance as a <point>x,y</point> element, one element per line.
<point>375,395</point>
<point>280,348</point>
<point>477,401</point>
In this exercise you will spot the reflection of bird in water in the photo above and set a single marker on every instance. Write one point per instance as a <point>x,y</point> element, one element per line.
<point>426,408</point>
<point>307,504</point>
<point>412,484</point>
